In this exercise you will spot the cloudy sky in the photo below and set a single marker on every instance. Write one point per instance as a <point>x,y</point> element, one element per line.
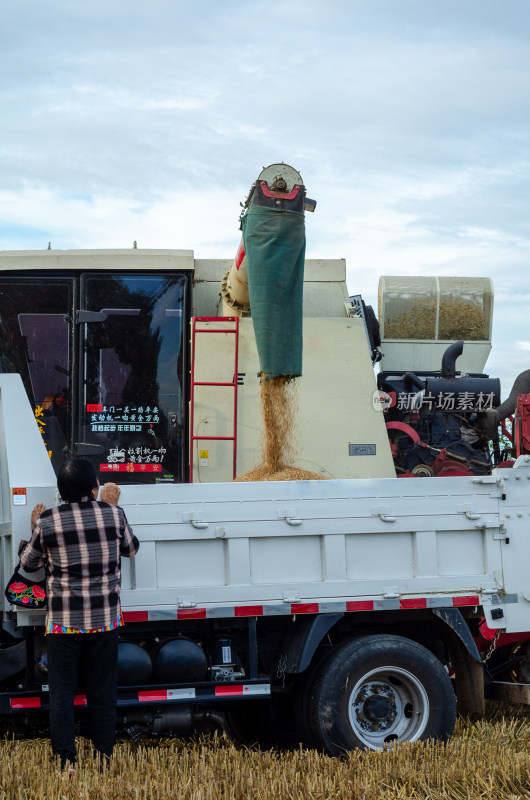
<point>408,120</point>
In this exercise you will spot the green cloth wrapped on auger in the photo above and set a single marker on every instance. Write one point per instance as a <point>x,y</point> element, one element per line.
<point>275,248</point>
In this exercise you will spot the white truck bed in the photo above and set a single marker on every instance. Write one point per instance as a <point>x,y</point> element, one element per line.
<point>371,544</point>
<point>245,549</point>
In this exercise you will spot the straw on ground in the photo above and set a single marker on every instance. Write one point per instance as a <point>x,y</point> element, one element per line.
<point>485,759</point>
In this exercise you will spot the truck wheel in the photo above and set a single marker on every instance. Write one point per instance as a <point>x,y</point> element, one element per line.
<point>301,701</point>
<point>380,689</point>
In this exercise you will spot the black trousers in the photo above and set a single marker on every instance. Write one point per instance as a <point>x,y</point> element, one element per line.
<point>96,655</point>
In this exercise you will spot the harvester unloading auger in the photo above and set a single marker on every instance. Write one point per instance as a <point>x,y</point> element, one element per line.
<point>267,280</point>
<point>267,275</point>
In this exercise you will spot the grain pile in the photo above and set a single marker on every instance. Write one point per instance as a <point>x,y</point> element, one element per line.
<point>486,759</point>
<point>458,319</point>
<point>264,473</point>
<point>461,319</point>
<point>417,322</point>
<point>279,438</point>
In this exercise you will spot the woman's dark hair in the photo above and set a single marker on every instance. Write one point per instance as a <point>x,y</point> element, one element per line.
<point>76,479</point>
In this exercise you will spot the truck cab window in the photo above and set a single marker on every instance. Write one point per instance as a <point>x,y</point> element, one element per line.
<point>132,401</point>
<point>34,342</point>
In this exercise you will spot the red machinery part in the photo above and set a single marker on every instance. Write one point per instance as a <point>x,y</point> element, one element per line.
<point>407,429</point>
<point>443,466</point>
<point>487,635</point>
<point>451,469</point>
<point>446,467</point>
<point>404,428</point>
<point>240,255</point>
<point>522,425</point>
<point>504,428</point>
<point>281,195</point>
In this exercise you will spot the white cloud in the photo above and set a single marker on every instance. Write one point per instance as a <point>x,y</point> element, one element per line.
<point>176,220</point>
<point>124,121</point>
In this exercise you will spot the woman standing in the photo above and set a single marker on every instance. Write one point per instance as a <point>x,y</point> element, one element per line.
<point>80,544</point>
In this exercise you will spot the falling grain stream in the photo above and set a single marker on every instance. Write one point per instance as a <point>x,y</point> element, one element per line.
<point>279,439</point>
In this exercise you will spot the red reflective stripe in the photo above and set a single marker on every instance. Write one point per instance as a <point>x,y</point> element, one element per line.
<point>221,691</point>
<point>135,616</point>
<point>413,602</point>
<point>240,255</point>
<point>304,608</point>
<point>25,702</point>
<point>191,613</point>
<point>80,700</point>
<point>156,694</point>
<point>281,195</point>
<point>248,611</point>
<point>472,600</point>
<point>360,605</point>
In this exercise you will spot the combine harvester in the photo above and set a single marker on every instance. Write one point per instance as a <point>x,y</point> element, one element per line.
<point>347,612</point>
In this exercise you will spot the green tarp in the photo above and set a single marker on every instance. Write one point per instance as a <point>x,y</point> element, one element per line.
<point>275,247</point>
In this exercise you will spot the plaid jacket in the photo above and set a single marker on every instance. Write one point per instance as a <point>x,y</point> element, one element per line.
<point>79,545</point>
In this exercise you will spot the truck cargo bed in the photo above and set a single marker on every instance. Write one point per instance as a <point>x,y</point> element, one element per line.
<point>218,549</point>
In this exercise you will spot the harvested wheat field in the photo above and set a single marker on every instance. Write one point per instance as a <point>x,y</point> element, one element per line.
<point>485,759</point>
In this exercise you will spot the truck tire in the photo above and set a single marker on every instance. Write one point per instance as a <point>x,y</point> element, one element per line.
<point>379,689</point>
<point>301,700</point>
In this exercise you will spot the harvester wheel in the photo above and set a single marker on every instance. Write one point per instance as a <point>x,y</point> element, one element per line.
<point>379,689</point>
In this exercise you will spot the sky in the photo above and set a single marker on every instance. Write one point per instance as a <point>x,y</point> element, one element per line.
<point>126,121</point>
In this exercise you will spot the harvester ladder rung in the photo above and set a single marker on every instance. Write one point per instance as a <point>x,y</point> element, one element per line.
<point>213,325</point>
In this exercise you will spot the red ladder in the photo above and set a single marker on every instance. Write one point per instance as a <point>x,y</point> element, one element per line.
<point>233,384</point>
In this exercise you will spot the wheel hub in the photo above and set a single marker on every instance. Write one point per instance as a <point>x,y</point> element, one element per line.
<point>388,704</point>
<point>375,706</point>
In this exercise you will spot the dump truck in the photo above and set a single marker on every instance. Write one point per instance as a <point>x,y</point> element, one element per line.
<point>351,611</point>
